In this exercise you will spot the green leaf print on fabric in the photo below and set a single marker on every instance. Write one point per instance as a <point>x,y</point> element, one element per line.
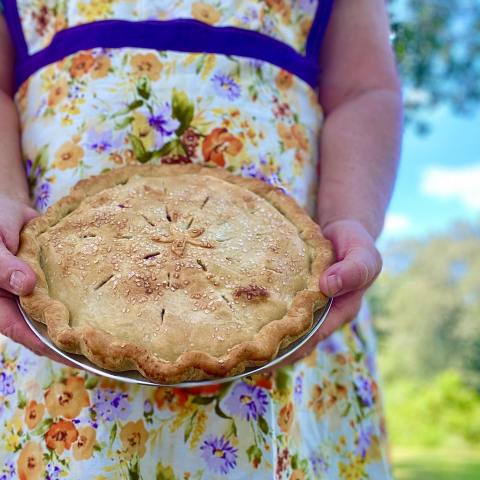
<point>22,401</point>
<point>255,455</point>
<point>139,150</point>
<point>43,427</point>
<point>262,423</point>
<point>182,110</point>
<point>144,89</point>
<point>91,382</point>
<point>113,434</point>
<point>165,473</point>
<point>189,428</point>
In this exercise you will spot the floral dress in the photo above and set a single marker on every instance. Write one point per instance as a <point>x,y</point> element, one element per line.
<point>102,84</point>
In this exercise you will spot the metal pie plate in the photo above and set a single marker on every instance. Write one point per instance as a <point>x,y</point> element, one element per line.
<point>40,330</point>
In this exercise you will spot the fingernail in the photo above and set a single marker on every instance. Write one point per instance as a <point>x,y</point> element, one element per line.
<point>334,283</point>
<point>17,279</point>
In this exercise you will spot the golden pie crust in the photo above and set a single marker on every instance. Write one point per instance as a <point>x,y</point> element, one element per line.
<point>181,272</point>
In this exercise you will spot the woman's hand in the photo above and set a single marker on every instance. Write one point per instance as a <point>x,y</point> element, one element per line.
<point>16,277</point>
<point>358,264</point>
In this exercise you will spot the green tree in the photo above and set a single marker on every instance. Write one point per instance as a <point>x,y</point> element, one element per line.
<point>426,306</point>
<point>437,43</point>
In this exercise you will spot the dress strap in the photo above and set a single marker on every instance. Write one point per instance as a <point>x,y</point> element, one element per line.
<point>317,31</point>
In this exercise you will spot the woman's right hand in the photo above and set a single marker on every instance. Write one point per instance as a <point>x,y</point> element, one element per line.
<point>16,277</point>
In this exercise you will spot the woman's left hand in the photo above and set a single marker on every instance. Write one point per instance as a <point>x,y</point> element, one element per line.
<point>358,265</point>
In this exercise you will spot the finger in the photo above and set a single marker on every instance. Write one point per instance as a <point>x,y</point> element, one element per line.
<point>15,276</point>
<point>358,269</point>
<point>13,326</point>
<point>30,214</point>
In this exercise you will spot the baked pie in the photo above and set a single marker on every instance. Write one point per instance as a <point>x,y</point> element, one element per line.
<point>181,272</point>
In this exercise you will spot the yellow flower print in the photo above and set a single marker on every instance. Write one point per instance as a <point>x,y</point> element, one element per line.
<point>101,66</point>
<point>83,448</point>
<point>146,65</point>
<point>68,156</point>
<point>96,10</point>
<point>30,462</point>
<point>142,129</point>
<point>205,13</point>
<point>58,92</point>
<point>354,470</point>
<point>134,437</point>
<point>12,442</point>
<point>33,414</point>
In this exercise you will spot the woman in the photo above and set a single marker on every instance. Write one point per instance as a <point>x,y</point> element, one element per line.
<point>249,96</point>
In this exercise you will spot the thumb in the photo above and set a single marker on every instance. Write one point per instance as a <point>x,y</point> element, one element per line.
<point>15,276</point>
<point>358,269</point>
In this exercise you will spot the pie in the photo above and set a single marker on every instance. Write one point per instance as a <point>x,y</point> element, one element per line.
<point>180,272</point>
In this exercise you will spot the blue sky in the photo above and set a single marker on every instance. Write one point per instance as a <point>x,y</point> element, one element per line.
<point>439,177</point>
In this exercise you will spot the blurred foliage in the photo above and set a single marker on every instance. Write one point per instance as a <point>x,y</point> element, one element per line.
<point>437,43</point>
<point>426,306</point>
<point>440,412</point>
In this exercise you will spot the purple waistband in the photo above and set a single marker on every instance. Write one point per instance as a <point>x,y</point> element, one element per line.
<point>181,35</point>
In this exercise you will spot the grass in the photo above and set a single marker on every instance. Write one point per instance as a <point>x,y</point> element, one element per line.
<point>423,464</point>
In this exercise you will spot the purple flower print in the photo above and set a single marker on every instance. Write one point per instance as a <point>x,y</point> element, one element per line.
<point>53,472</point>
<point>363,387</point>
<point>29,172</point>
<point>247,401</point>
<point>42,195</point>
<point>225,86</point>
<point>8,471</point>
<point>147,407</point>
<point>24,365</point>
<point>219,454</point>
<point>365,434</point>
<point>102,142</point>
<point>298,388</point>
<point>318,464</point>
<point>111,405</point>
<point>252,171</point>
<point>307,6</point>
<point>163,122</point>
<point>7,383</point>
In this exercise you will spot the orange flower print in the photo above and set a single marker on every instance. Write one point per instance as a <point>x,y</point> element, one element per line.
<point>219,142</point>
<point>284,80</point>
<point>134,437</point>
<point>300,136</point>
<point>61,436</point>
<point>83,447</point>
<point>57,93</point>
<point>33,414</point>
<point>286,416</point>
<point>30,462</point>
<point>280,6</point>
<point>326,396</point>
<point>66,399</point>
<point>68,156</point>
<point>147,65</point>
<point>293,137</point>
<point>286,134</point>
<point>173,398</point>
<point>297,475</point>
<point>205,13</point>
<point>81,65</point>
<point>101,67</point>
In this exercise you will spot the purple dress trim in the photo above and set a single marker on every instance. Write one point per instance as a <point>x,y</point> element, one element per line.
<point>319,26</point>
<point>181,35</point>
